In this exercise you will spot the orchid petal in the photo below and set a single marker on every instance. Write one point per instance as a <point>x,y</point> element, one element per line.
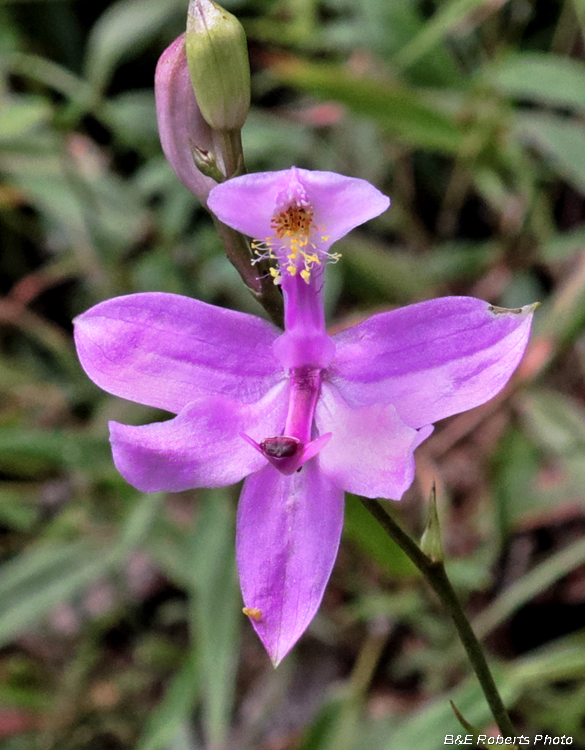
<point>432,359</point>
<point>165,350</point>
<point>180,122</point>
<point>371,449</point>
<point>288,532</point>
<point>339,203</point>
<point>202,447</point>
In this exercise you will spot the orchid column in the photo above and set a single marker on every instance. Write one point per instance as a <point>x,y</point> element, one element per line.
<point>295,241</point>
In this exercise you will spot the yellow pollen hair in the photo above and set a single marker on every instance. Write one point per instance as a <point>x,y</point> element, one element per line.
<point>291,244</point>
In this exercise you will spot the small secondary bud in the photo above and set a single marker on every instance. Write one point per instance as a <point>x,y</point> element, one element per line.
<point>218,64</point>
<point>206,163</point>
<point>430,542</point>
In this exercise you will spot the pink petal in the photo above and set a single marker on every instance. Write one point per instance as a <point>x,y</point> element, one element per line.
<point>165,350</point>
<point>339,203</point>
<point>371,449</point>
<point>180,123</point>
<point>202,447</point>
<point>287,538</point>
<point>432,359</point>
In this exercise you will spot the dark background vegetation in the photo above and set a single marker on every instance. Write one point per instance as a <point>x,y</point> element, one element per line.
<point>120,613</point>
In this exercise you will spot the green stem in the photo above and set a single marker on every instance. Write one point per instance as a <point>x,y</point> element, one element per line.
<point>270,296</point>
<point>231,150</point>
<point>255,277</point>
<point>436,576</point>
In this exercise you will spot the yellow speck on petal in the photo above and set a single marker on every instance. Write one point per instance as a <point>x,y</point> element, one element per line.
<point>255,614</point>
<point>305,275</point>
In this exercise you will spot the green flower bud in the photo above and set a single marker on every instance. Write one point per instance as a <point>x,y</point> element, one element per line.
<point>218,64</point>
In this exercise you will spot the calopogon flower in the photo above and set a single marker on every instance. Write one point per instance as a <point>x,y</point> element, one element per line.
<point>303,415</point>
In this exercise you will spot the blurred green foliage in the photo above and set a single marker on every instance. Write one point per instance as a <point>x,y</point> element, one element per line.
<point>119,613</point>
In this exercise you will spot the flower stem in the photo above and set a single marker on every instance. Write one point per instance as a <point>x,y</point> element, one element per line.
<point>237,248</point>
<point>435,574</point>
<point>257,277</point>
<point>232,152</point>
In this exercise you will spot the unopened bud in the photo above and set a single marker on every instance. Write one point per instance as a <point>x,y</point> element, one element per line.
<point>180,123</point>
<point>206,163</point>
<point>218,64</point>
<point>430,542</point>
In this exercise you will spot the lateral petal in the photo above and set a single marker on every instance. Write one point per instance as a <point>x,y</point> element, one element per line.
<point>201,447</point>
<point>165,350</point>
<point>432,359</point>
<point>288,533</point>
<point>371,449</point>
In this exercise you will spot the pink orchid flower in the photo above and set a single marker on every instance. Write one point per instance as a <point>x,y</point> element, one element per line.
<point>303,415</point>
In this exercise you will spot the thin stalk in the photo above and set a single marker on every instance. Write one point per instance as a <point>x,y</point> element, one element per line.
<point>435,574</point>
<point>255,277</point>
<point>237,248</point>
<point>231,150</point>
